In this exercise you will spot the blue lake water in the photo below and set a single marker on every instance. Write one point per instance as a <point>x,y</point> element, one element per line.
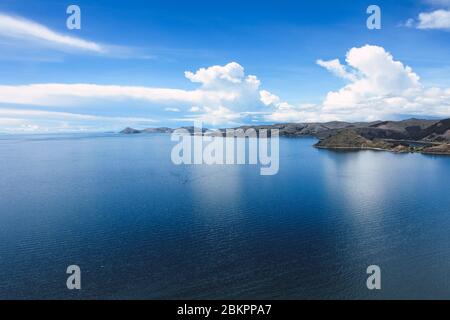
<point>141,227</point>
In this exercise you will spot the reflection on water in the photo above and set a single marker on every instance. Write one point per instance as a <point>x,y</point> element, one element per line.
<point>140,227</point>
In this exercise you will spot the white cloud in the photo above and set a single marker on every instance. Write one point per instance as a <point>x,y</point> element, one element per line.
<point>27,113</point>
<point>26,30</point>
<point>379,87</point>
<point>224,92</point>
<point>214,90</point>
<point>221,76</point>
<point>378,75</point>
<point>30,120</point>
<point>383,88</point>
<point>40,121</point>
<point>337,68</point>
<point>172,109</point>
<point>268,98</point>
<point>74,94</point>
<point>195,109</point>
<point>218,116</point>
<point>439,19</point>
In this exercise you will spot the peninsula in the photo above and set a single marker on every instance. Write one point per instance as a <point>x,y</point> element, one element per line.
<point>412,135</point>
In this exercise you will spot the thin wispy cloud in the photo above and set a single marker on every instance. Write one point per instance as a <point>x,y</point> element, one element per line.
<point>27,113</point>
<point>30,120</point>
<point>60,94</point>
<point>33,32</point>
<point>22,32</point>
<point>439,3</point>
<point>172,110</point>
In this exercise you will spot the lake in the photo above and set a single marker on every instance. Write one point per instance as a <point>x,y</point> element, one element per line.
<point>140,227</point>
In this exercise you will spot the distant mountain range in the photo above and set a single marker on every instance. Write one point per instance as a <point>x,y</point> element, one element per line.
<point>412,135</point>
<point>148,130</point>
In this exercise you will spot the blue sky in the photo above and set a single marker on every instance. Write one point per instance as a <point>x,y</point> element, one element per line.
<point>260,61</point>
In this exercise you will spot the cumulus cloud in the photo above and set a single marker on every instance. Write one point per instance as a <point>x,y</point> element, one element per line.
<point>214,76</point>
<point>228,93</point>
<point>268,98</point>
<point>337,68</point>
<point>378,75</point>
<point>381,88</point>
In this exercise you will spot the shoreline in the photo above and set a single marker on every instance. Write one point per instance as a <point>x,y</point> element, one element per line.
<point>381,149</point>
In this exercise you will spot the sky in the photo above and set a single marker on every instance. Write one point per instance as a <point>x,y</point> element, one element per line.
<point>226,63</point>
